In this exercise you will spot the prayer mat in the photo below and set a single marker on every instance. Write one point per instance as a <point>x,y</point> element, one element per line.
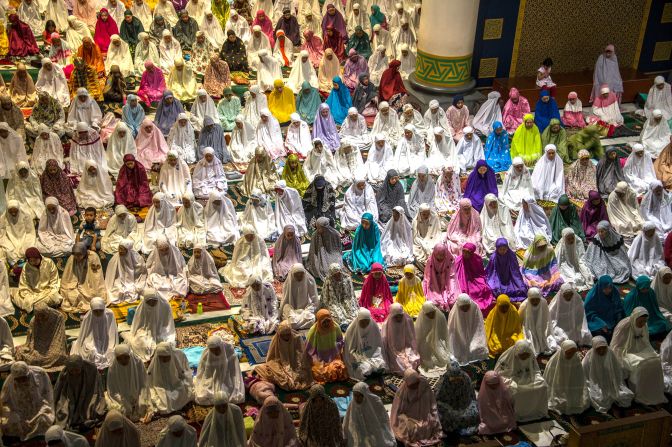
<point>208,302</point>
<point>256,347</point>
<point>233,295</point>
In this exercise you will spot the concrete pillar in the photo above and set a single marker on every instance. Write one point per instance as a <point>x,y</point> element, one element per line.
<point>446,46</point>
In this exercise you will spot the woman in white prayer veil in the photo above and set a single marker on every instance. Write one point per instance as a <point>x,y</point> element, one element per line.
<point>95,187</point>
<point>47,146</point>
<point>258,43</point>
<point>190,223</point>
<point>218,371</point>
<point>51,80</point>
<point>57,10</point>
<point>469,149</point>
<point>531,221</point>
<point>573,268</point>
<point>268,70</point>
<point>119,54</point>
<point>202,272</point>
<point>363,350</point>
<point>656,207</point>
<point>355,130</point>
<point>638,169</point>
<point>519,368</point>
<point>76,32</point>
<point>299,298</point>
<point>320,161</point>
<point>6,309</point>
<point>208,176</point>
<point>387,123</point>
<point>623,211</point>
<point>655,134</point>
<point>426,232</point>
<point>122,225</point>
<point>642,364</point>
<point>160,221</point>
<point>495,223</point>
<point>397,239</point>
<point>166,9</point>
<point>55,435</point>
<point>166,270</point>
<point>120,143</point>
<point>174,178</point>
<point>223,426</point>
<point>259,310</point>
<point>24,187</point>
<point>153,323</point>
<point>258,214</point>
<point>243,141</point>
<point>86,146</point>
<point>221,220</point>
<point>567,388</point>
<point>567,319</point>
<point>442,150</point>
<point>328,69</point>
<point>349,162</point>
<point>378,63</point>
<point>534,317</point>
<point>239,25</point>
<point>55,236</point>
<point>126,274</point>
<point>97,336</point>
<point>663,290</point>
<point>203,106</point>
<point>177,433</point>
<point>181,139</point>
<point>431,334</point>
<point>255,102</point>
<point>366,421</point>
<point>269,136</point>
<point>117,430</point>
<point>423,190</point>
<point>548,177</point>
<point>646,252</point>
<point>17,232</point>
<point>298,137</point>
<point>302,70</point>
<point>411,116</point>
<point>487,114</point>
<point>410,151</point>
<point>126,381</point>
<point>467,342</point>
<point>603,374</point>
<point>359,199</point>
<point>169,381</point>
<point>435,117</point>
<point>146,50</point>
<point>289,209</point>
<point>14,151</point>
<point>379,160</point>
<point>212,29</point>
<point>82,280</point>
<point>517,185</point>
<point>250,257</point>
<point>407,56</point>
<point>29,13</point>
<point>169,51</point>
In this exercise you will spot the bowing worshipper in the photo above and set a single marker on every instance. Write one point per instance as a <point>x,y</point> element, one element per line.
<point>655,208</point>
<point>378,160</point>
<point>517,185</point>
<point>570,253</point>
<point>431,333</point>
<point>145,50</point>
<point>151,144</point>
<point>400,349</point>
<point>464,227</point>
<point>132,188</point>
<point>86,146</point>
<point>623,212</point>
<point>338,295</point>
<point>20,38</point>
<point>488,114</point>
<point>503,326</point>
<point>497,152</point>
<point>288,209</point>
<point>606,111</point>
<point>324,128</point>
<point>515,109</point>
<point>181,139</point>
<point>21,88</point>
<point>349,163</point>
<point>286,253</point>
<point>182,81</point>
<point>503,274</point>
<point>414,416</point>
<point>190,223</point>
<point>28,399</point>
<point>249,257</point>
<point>355,130</point>
<point>269,136</point>
<point>218,372</point>
<point>386,123</point>
<point>548,179</point>
<point>319,201</point>
<point>324,250</point>
<point>540,266</point>
<point>534,315</point>
<point>480,183</point>
<point>565,216</point>
<point>366,420</point>
<point>95,188</point>
<point>458,117</point>
<point>646,252</point>
<point>294,175</point>
<point>456,399</point>
<point>45,342</point>
<point>243,141</point>
<point>526,142</point>
<point>261,174</point>
<point>299,298</point>
<point>17,232</point>
<point>426,231</point>
<point>160,221</point>
<point>469,149</point>
<point>410,293</point>
<point>397,239</point>
<point>117,430</point>
<point>642,364</point>
<point>376,295</point>
<point>82,280</point>
<point>221,221</point>
<point>465,324</point>
<point>120,143</point>
<point>79,400</point>
<point>642,295</point>
<point>55,235</point>
<point>439,282</point>
<point>604,376</point>
<point>410,151</point>
<point>324,349</point>
<point>125,385</point>
<point>25,187</point>
<point>202,273</point>
<point>604,307</point>
<point>126,274</point>
<point>174,179</point>
<point>152,84</point>
<point>593,212</point>
<point>638,169</point>
<point>567,319</point>
<point>167,270</point>
<point>567,389</point>
<point>260,307</point>
<point>531,221</point>
<point>38,284</point>
<point>228,108</point>
<point>545,110</point>
<point>169,381</point>
<point>495,223</point>
<point>363,351</point>
<point>606,254</point>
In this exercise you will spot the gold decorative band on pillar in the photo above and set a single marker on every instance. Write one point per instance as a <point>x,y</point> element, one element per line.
<point>441,71</point>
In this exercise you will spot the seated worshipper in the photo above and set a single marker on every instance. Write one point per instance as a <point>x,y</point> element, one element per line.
<point>55,235</point>
<point>202,50</point>
<point>269,136</point>
<point>12,146</point>
<point>250,257</point>
<point>363,351</point>
<point>410,293</point>
<point>534,317</point>
<point>261,174</point>
<point>495,405</point>
<point>606,111</point>
<point>286,253</point>
<point>581,177</point>
<point>84,76</point>
<point>469,150</point>
<point>152,324</point>
<point>570,255</point>
<point>151,144</point>
<point>299,298</point>
<point>414,416</point>
<point>378,160</point>
<point>269,70</point>
<point>185,30</point>
<point>548,179</point>
<point>643,295</point>
<point>593,212</point>
<point>45,342</point>
<point>531,221</point>
<point>223,424</point>
<point>567,388</point>
<point>655,208</point>
<point>51,80</point>
<point>126,379</point>
<point>167,270</point>
<point>38,284</point>
<point>119,54</point>
<point>126,274</point>
<point>660,282</point>
<point>260,307</point>
<point>456,399</point>
<point>152,84</point>
<point>91,55</point>
<point>174,179</point>
<point>448,191</point>
<point>638,169</point>
<point>324,250</point>
<point>587,139</point>
<point>355,130</point>
<point>604,307</point>
<point>400,349</point>
<point>132,188</point>
<point>320,162</point>
<point>324,349</point>
<point>354,66</point>
<point>294,175</point>
<point>458,117</point>
<point>439,283</point>
<point>517,185</point>
<point>366,246</point>
<point>190,223</point>
<point>503,273</point>
<point>181,139</point>
<point>308,101</point>
<point>660,98</point>
<point>623,211</point>
<point>488,114</point>
<point>606,254</point>
<point>86,146</point>
<point>495,223</point>
<point>169,381</point>
<point>228,109</point>
<point>17,232</point>
<point>387,123</point>
<point>120,143</point>
<point>234,53</point>
<point>540,266</point>
<point>572,115</point>
<point>177,431</point>
<point>556,135</point>
<point>160,221</point>
<point>526,141</point>
<point>21,88</point>
<point>366,419</point>
<point>20,38</point>
<point>78,394</point>
<point>545,110</point>
<point>202,273</point>
<point>609,172</point>
<point>567,319</point>
<point>167,112</point>
<point>95,188</point>
<point>427,233</point>
<point>435,116</point>
<point>117,429</point>
<point>397,239</point>
<point>28,399</point>
<point>391,88</point>
<point>281,101</point>
<point>324,128</point>
<point>365,98</point>
<point>497,152</point>
<point>646,252</point>
<point>259,214</point>
<point>24,187</point>
<point>349,163</point>
<point>288,209</point>
<point>607,73</point>
<point>319,201</point>
<point>221,221</point>
<point>82,280</point>
<point>243,141</point>
<point>218,372</point>
<point>145,49</point>
<point>47,111</point>
<point>503,327</point>
<point>431,332</point>
<point>182,81</point>
<point>465,324</point>
<point>642,365</point>
<point>480,183</point>
<point>661,166</point>
<point>410,151</point>
<point>604,376</point>
<point>302,72</point>
<point>565,216</point>
<point>391,195</point>
<point>411,116</point>
<point>464,226</point>
<point>203,106</point>
<point>320,422</point>
<point>286,364</point>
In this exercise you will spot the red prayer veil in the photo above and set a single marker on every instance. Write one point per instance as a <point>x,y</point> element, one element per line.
<point>391,83</point>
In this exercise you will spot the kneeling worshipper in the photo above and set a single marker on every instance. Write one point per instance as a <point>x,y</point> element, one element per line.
<point>117,430</point>
<point>298,139</point>
<point>86,146</point>
<point>646,252</point>
<point>273,426</point>
<point>181,139</point>
<point>495,405</point>
<point>366,421</point>
<point>169,381</point>
<point>286,253</point>
<point>56,435</point>
<point>565,216</point>
<point>167,270</point>
<point>202,273</point>
<point>497,152</point>
<point>82,280</point>
<point>604,377</point>
<point>606,254</point>
<point>28,399</point>
<point>363,351</point>
<point>98,336</point>
<point>320,423</point>
<point>286,365</point>
<point>581,177</point>
<point>642,295</point>
<point>503,273</point>
<point>469,150</point>
<point>638,169</point>
<point>548,178</point>
<point>250,257</point>
<point>495,223</point>
<point>517,185</point>
<point>378,160</point>
<point>300,298</point>
<point>570,255</point>
<point>122,225</point>
<point>126,274</point>
<point>12,146</point>
<point>38,284</point>
<point>397,239</point>
<point>47,146</point>
<point>534,316</point>
<point>531,221</point>
<point>120,143</point>
<point>519,369</point>
<point>259,309</point>
<point>126,379</point>
<point>467,342</point>
<point>414,416</point>
<point>325,249</point>
<point>400,349</point>
<point>288,209</point>
<point>431,334</point>
<point>174,179</point>
<point>464,227</point>
<point>258,213</point>
<point>609,172</point>
<point>132,188</point>
<point>606,110</point>
<point>540,266</point>
<point>656,207</point>
<point>642,364</point>
<point>160,221</point>
<point>390,195</point>
<point>567,388</point>
<point>320,161</point>
<point>95,188</point>
<point>567,319</point>
<point>79,400</point>
<point>218,372</point>
<point>177,433</point>
<point>427,233</point>
<point>319,202</point>
<point>410,294</point>
<point>366,248</point>
<point>471,277</point>
<point>376,295</point>
<point>221,221</point>
<point>456,399</point>
<point>324,348</point>
<point>223,425</point>
<point>623,211</point>
<point>17,232</point>
<point>153,324</point>
<point>45,342</point>
<point>503,326</point>
<point>526,141</point>
<point>422,191</point>
<point>55,235</point>
<point>604,307</point>
<point>439,282</point>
